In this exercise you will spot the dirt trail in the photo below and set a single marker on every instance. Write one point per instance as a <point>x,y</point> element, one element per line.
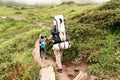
<point>69,70</point>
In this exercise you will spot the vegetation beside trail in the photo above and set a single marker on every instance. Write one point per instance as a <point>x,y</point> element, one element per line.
<point>94,31</point>
<point>20,27</point>
<point>98,35</point>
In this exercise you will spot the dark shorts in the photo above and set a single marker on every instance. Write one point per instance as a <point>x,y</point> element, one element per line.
<point>42,50</point>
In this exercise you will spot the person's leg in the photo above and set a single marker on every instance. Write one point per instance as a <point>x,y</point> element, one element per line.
<point>41,52</point>
<point>44,53</point>
<point>59,59</point>
<point>58,55</point>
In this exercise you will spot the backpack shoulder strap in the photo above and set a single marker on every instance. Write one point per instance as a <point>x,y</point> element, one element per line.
<point>40,41</point>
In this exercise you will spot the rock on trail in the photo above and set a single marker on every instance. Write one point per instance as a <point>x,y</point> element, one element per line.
<point>47,73</point>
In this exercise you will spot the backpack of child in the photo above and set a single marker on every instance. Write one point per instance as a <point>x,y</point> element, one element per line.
<point>60,23</point>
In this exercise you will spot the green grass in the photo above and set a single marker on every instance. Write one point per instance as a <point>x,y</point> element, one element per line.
<point>17,52</point>
<point>98,35</point>
<point>93,30</point>
<point>17,37</point>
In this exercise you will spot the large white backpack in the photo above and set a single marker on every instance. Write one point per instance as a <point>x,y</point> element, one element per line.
<point>60,27</point>
<point>59,21</point>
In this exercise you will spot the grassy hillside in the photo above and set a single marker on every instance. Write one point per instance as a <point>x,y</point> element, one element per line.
<point>98,34</point>
<point>19,29</point>
<point>92,28</point>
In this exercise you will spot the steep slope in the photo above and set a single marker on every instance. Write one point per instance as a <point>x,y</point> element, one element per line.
<point>98,35</point>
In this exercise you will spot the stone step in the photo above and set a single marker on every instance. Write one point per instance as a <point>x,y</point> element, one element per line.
<point>47,73</point>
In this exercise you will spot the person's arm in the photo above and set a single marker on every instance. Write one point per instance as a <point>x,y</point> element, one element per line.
<point>45,38</point>
<point>50,37</point>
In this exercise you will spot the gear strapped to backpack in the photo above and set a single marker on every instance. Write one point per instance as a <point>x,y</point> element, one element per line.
<point>60,27</point>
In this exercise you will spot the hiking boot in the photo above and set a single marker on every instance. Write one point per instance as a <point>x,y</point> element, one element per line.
<point>59,70</point>
<point>45,58</point>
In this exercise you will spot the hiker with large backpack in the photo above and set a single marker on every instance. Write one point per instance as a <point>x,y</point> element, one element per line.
<point>59,36</point>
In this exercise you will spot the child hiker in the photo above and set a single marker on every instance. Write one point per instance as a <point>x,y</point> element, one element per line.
<point>42,46</point>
